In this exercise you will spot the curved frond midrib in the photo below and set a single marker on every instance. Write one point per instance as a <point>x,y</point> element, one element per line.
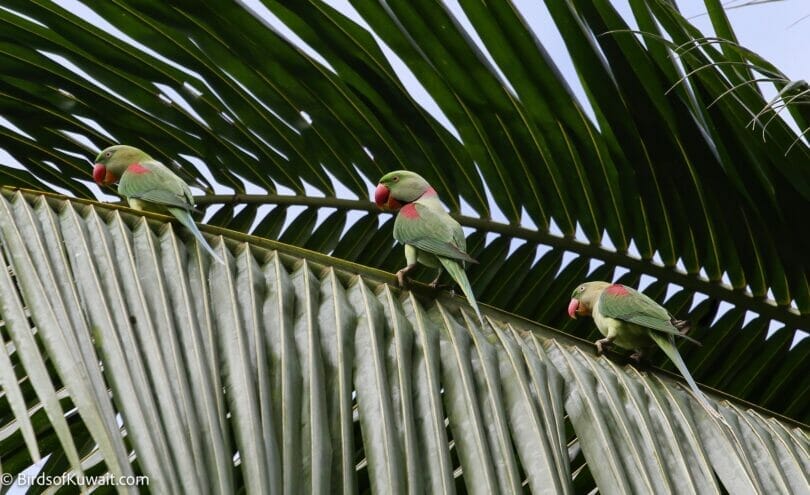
<point>716,289</point>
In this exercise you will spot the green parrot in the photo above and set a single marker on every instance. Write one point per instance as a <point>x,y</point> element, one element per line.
<point>148,185</point>
<point>632,320</point>
<point>430,235</point>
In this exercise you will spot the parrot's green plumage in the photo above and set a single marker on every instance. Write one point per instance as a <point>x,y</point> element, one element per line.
<point>631,320</point>
<point>148,185</point>
<point>430,235</point>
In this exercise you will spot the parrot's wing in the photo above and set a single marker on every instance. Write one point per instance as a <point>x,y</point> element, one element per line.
<point>431,231</point>
<point>154,183</point>
<point>627,304</point>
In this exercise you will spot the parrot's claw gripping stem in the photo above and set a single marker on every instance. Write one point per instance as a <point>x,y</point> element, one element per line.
<point>402,278</point>
<point>602,345</point>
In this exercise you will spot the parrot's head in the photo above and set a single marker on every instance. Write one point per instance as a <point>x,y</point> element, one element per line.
<point>584,298</point>
<point>399,188</point>
<point>112,162</point>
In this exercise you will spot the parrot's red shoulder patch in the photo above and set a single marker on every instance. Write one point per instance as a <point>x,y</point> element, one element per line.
<point>617,290</point>
<point>137,168</point>
<point>409,211</point>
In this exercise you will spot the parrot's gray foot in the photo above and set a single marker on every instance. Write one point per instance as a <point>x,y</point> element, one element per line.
<point>435,283</point>
<point>602,345</point>
<point>683,326</point>
<point>402,277</point>
<point>637,357</point>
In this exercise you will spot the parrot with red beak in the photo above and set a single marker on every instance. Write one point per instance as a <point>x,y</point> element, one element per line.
<point>631,320</point>
<point>430,235</point>
<point>148,185</point>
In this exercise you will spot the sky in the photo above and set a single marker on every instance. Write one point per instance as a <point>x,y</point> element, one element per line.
<point>773,29</point>
<point>779,31</point>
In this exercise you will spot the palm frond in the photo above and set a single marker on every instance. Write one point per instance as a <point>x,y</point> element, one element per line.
<point>288,368</point>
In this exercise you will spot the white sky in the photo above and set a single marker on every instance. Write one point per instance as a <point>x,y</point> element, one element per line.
<point>778,31</point>
<point>775,30</point>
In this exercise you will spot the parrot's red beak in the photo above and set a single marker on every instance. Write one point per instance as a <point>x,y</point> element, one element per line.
<point>99,171</point>
<point>101,175</point>
<point>382,196</point>
<point>573,306</point>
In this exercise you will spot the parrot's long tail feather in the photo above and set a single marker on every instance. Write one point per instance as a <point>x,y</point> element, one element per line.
<point>686,337</point>
<point>458,274</point>
<point>185,218</point>
<point>667,344</point>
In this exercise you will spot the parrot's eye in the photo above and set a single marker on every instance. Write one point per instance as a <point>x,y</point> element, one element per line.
<point>395,179</point>
<point>108,154</point>
<point>581,288</point>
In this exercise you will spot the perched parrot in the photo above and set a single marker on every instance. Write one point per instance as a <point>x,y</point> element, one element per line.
<point>148,185</point>
<point>429,234</point>
<point>632,320</point>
